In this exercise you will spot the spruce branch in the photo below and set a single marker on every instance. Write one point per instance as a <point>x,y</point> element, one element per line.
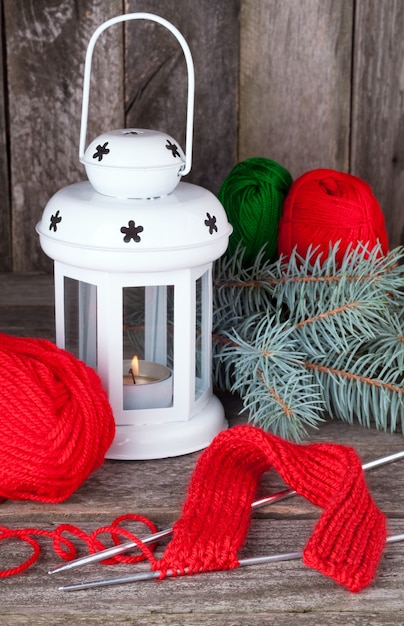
<point>270,375</point>
<point>301,339</point>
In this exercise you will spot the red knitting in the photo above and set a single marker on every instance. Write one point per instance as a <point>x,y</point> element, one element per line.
<point>347,541</point>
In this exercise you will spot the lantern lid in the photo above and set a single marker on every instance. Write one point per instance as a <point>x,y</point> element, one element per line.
<point>83,228</point>
<point>134,163</point>
<point>137,148</point>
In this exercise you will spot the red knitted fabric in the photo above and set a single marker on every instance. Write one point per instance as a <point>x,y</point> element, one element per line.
<point>347,541</point>
<point>323,207</point>
<point>55,421</point>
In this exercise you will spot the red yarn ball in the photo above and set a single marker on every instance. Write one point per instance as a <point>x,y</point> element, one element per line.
<point>56,423</point>
<point>325,206</point>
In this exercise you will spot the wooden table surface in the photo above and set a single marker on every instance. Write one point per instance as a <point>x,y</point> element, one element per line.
<point>281,593</point>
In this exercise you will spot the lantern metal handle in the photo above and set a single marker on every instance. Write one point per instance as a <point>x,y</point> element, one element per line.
<point>191,79</point>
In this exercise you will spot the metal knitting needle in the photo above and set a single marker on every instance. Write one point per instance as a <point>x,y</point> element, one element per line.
<point>131,578</point>
<point>124,547</point>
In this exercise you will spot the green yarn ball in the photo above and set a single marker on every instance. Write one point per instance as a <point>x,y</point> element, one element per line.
<point>252,195</point>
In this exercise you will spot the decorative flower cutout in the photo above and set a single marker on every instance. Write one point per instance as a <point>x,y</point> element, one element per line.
<point>211,223</point>
<point>131,231</point>
<point>54,221</point>
<point>173,148</point>
<point>101,150</point>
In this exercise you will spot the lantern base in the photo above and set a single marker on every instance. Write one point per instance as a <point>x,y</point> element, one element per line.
<point>159,441</point>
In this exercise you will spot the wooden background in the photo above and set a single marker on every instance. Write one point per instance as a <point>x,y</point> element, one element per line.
<point>308,83</point>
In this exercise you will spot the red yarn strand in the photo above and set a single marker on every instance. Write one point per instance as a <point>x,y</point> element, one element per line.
<point>66,549</point>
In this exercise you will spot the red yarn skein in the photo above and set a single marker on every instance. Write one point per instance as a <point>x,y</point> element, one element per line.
<point>55,421</point>
<point>325,206</point>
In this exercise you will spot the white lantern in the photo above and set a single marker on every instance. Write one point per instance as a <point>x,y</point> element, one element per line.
<point>133,251</point>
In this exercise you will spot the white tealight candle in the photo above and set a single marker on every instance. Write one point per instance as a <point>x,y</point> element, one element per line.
<point>146,385</point>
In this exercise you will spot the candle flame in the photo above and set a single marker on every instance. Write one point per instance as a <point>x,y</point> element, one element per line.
<point>135,365</point>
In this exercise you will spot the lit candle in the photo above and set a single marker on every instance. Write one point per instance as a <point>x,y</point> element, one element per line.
<point>146,385</point>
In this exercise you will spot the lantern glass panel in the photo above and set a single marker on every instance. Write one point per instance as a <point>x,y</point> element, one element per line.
<point>133,322</point>
<point>203,336</point>
<point>148,317</point>
<point>80,312</point>
<point>148,314</point>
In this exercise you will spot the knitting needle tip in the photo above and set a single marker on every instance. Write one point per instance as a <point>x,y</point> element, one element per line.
<point>130,578</point>
<point>391,458</point>
<point>110,552</point>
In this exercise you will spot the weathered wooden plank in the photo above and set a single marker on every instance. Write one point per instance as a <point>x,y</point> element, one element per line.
<point>295,82</point>
<point>210,618</point>
<point>27,290</point>
<point>156,79</point>
<point>46,44</point>
<point>36,322</point>
<point>378,106</point>
<point>5,224</point>
<point>249,595</point>
<point>27,305</point>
